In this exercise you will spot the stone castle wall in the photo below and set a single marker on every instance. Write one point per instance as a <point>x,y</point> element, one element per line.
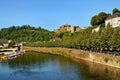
<point>68,28</point>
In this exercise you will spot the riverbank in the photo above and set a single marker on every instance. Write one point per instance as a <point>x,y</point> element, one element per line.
<point>105,59</point>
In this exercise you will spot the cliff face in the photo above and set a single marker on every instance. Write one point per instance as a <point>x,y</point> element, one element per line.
<point>68,28</point>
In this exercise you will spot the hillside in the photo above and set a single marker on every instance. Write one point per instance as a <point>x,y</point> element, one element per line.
<point>25,33</point>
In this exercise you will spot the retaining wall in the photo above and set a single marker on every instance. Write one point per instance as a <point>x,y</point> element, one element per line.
<point>105,59</point>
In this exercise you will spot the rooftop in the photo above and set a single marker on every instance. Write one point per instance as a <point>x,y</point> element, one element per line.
<point>114,16</point>
<point>3,41</point>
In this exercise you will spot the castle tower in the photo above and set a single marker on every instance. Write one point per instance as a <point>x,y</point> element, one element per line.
<point>72,29</point>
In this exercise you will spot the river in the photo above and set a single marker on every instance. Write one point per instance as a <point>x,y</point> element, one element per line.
<point>43,66</point>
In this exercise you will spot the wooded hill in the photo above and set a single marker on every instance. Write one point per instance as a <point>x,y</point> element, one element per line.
<point>26,33</point>
<point>106,38</point>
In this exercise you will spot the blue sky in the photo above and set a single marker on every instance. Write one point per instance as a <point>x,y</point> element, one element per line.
<point>50,14</point>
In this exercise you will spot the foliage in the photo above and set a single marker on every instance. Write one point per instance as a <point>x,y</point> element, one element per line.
<point>106,38</point>
<point>26,33</point>
<point>115,11</point>
<point>99,19</point>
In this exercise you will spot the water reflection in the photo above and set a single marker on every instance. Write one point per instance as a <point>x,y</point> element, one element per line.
<point>41,66</point>
<point>95,71</point>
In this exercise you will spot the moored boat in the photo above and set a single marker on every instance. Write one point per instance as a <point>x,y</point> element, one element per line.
<point>6,54</point>
<point>3,58</point>
<point>13,55</point>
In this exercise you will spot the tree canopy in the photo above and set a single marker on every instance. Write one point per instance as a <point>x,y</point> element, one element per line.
<point>26,33</point>
<point>115,10</point>
<point>99,19</point>
<point>106,38</point>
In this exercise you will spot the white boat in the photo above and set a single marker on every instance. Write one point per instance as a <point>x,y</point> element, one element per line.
<point>8,51</point>
<point>13,55</point>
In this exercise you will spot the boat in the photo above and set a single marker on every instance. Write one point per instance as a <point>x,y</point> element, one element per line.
<point>13,55</point>
<point>3,58</point>
<point>6,54</point>
<point>8,51</point>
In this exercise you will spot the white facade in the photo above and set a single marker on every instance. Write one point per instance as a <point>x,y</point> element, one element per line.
<point>96,29</point>
<point>114,22</point>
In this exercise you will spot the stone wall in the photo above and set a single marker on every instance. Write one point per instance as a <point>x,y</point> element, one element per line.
<point>105,59</point>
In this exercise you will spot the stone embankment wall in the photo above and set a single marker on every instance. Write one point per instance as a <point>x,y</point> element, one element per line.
<point>105,59</point>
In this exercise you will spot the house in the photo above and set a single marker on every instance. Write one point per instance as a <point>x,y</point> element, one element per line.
<point>4,43</point>
<point>56,39</point>
<point>113,20</point>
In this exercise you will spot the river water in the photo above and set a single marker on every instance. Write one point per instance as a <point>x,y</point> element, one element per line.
<point>42,66</point>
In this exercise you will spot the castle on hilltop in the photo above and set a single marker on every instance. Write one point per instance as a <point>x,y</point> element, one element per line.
<point>68,28</point>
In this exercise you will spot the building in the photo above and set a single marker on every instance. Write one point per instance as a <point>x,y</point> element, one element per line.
<point>68,28</point>
<point>113,20</point>
<point>4,43</point>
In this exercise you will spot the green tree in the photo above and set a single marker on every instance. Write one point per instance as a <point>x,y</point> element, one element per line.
<point>94,20</point>
<point>26,33</point>
<point>115,10</point>
<point>99,19</point>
